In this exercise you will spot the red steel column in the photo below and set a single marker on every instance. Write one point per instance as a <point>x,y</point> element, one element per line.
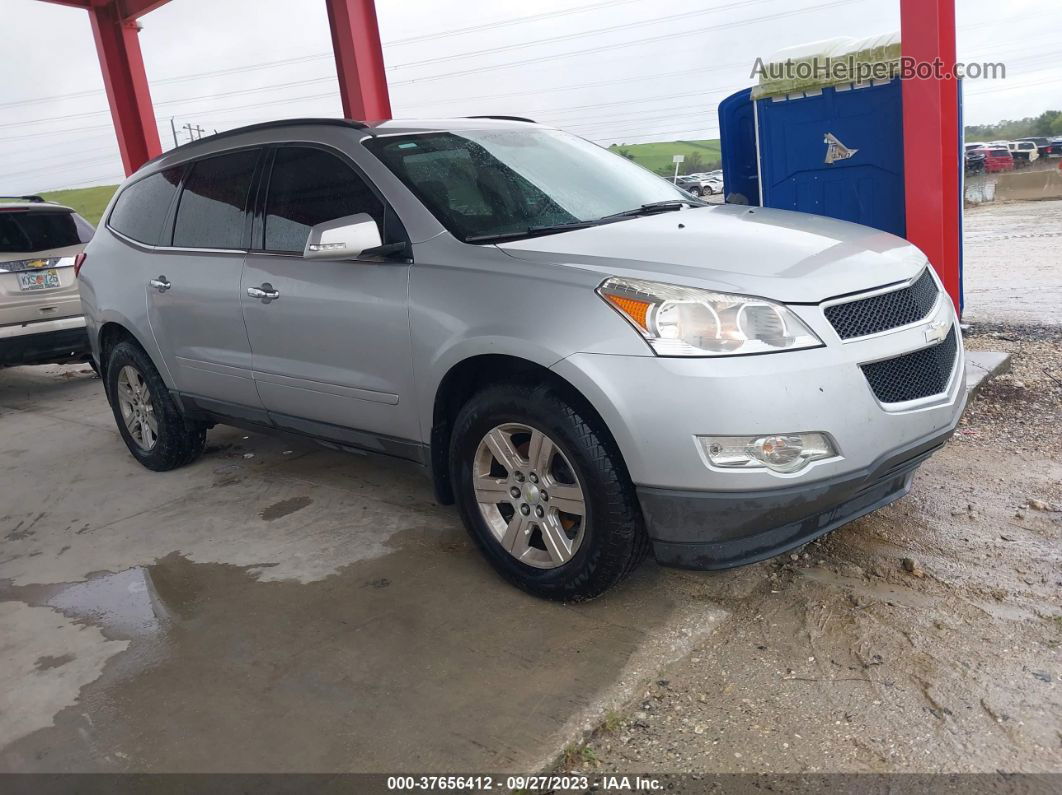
<point>359,59</point>
<point>127,86</point>
<point>931,139</point>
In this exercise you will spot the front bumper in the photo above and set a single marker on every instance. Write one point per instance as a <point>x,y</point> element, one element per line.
<point>703,516</point>
<point>698,530</point>
<point>59,340</point>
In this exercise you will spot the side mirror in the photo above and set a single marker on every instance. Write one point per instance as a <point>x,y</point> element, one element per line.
<point>343,238</point>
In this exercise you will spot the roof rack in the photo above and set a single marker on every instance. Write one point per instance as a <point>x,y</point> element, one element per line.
<point>504,118</point>
<point>266,125</point>
<point>34,199</point>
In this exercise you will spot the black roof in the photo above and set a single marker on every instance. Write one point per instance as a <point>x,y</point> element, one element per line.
<point>265,125</point>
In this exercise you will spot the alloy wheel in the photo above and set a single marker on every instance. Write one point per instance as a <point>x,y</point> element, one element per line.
<point>529,495</point>
<point>138,410</point>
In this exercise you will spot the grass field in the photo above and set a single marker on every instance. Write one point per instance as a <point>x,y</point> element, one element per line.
<point>88,202</point>
<point>657,156</point>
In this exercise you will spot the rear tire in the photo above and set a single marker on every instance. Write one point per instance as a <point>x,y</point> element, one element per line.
<point>152,426</point>
<point>606,542</point>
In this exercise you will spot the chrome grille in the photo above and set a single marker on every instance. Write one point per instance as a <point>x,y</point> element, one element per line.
<point>886,311</point>
<point>913,375</point>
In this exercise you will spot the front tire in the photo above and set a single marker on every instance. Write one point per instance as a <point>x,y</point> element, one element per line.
<point>148,420</point>
<point>543,491</point>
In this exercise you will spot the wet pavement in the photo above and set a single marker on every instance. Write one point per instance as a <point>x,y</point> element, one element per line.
<point>1011,268</point>
<point>280,608</point>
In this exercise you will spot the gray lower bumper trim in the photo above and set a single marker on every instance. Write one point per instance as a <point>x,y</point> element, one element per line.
<point>714,530</point>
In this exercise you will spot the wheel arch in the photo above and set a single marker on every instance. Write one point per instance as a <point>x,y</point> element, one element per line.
<point>467,377</point>
<point>113,331</point>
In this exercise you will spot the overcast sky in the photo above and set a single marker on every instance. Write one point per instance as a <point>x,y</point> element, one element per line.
<point>611,70</point>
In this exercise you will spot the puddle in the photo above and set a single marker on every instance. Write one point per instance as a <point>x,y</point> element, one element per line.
<point>420,659</point>
<point>282,508</point>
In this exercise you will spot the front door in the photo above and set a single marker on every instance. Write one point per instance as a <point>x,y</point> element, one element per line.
<point>194,285</point>
<point>330,341</point>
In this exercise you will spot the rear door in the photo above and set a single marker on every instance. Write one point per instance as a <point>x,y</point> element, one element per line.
<point>37,250</point>
<point>331,352</point>
<point>193,285</point>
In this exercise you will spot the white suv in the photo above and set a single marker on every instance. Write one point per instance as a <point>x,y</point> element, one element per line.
<point>40,310</point>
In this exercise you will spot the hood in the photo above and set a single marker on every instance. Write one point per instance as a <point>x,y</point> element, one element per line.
<point>786,256</point>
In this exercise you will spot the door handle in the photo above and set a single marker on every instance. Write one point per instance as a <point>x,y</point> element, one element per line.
<point>265,292</point>
<point>162,284</point>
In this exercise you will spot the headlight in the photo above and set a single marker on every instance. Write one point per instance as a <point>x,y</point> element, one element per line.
<point>686,321</point>
<point>788,452</point>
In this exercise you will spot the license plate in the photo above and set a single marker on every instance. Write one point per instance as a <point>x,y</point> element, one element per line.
<point>39,279</point>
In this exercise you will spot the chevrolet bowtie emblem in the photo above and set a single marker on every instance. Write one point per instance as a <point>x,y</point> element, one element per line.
<point>936,332</point>
<point>835,150</point>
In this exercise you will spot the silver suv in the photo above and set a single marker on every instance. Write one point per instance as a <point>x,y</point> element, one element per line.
<point>40,312</point>
<point>588,361</point>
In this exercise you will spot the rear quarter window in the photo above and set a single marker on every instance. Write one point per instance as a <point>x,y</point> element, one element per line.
<point>141,209</point>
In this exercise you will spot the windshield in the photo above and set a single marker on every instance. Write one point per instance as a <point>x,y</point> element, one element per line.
<point>486,183</point>
<point>30,231</point>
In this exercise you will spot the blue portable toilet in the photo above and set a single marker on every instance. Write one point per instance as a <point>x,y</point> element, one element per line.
<point>811,139</point>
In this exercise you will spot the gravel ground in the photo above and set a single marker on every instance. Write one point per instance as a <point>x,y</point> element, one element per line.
<point>1021,409</point>
<point>922,638</point>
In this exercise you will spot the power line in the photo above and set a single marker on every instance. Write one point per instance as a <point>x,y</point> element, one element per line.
<point>583,33</point>
<point>626,44</point>
<point>507,22</point>
<point>328,55</point>
<point>596,84</point>
<point>77,164</point>
<point>397,42</point>
<point>519,45</point>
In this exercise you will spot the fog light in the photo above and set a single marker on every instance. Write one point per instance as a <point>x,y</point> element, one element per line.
<point>788,452</point>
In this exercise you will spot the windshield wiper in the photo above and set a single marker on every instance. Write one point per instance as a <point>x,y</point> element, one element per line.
<point>533,231</point>
<point>654,207</point>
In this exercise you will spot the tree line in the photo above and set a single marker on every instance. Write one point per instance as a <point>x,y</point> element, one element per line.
<point>1047,125</point>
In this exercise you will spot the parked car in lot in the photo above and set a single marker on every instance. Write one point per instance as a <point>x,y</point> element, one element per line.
<point>588,373</point>
<point>700,184</point>
<point>996,158</point>
<point>974,161</point>
<point>40,312</point>
<point>1045,146</point>
<point>1023,152</point>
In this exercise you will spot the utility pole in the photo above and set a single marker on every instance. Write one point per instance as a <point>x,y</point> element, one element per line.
<point>194,132</point>
<point>173,129</point>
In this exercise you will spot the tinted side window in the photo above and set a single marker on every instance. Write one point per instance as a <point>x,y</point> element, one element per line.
<point>308,187</point>
<point>212,209</point>
<point>142,207</point>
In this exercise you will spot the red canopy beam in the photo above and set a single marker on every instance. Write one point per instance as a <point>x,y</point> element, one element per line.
<point>359,59</point>
<point>931,139</point>
<point>126,83</point>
